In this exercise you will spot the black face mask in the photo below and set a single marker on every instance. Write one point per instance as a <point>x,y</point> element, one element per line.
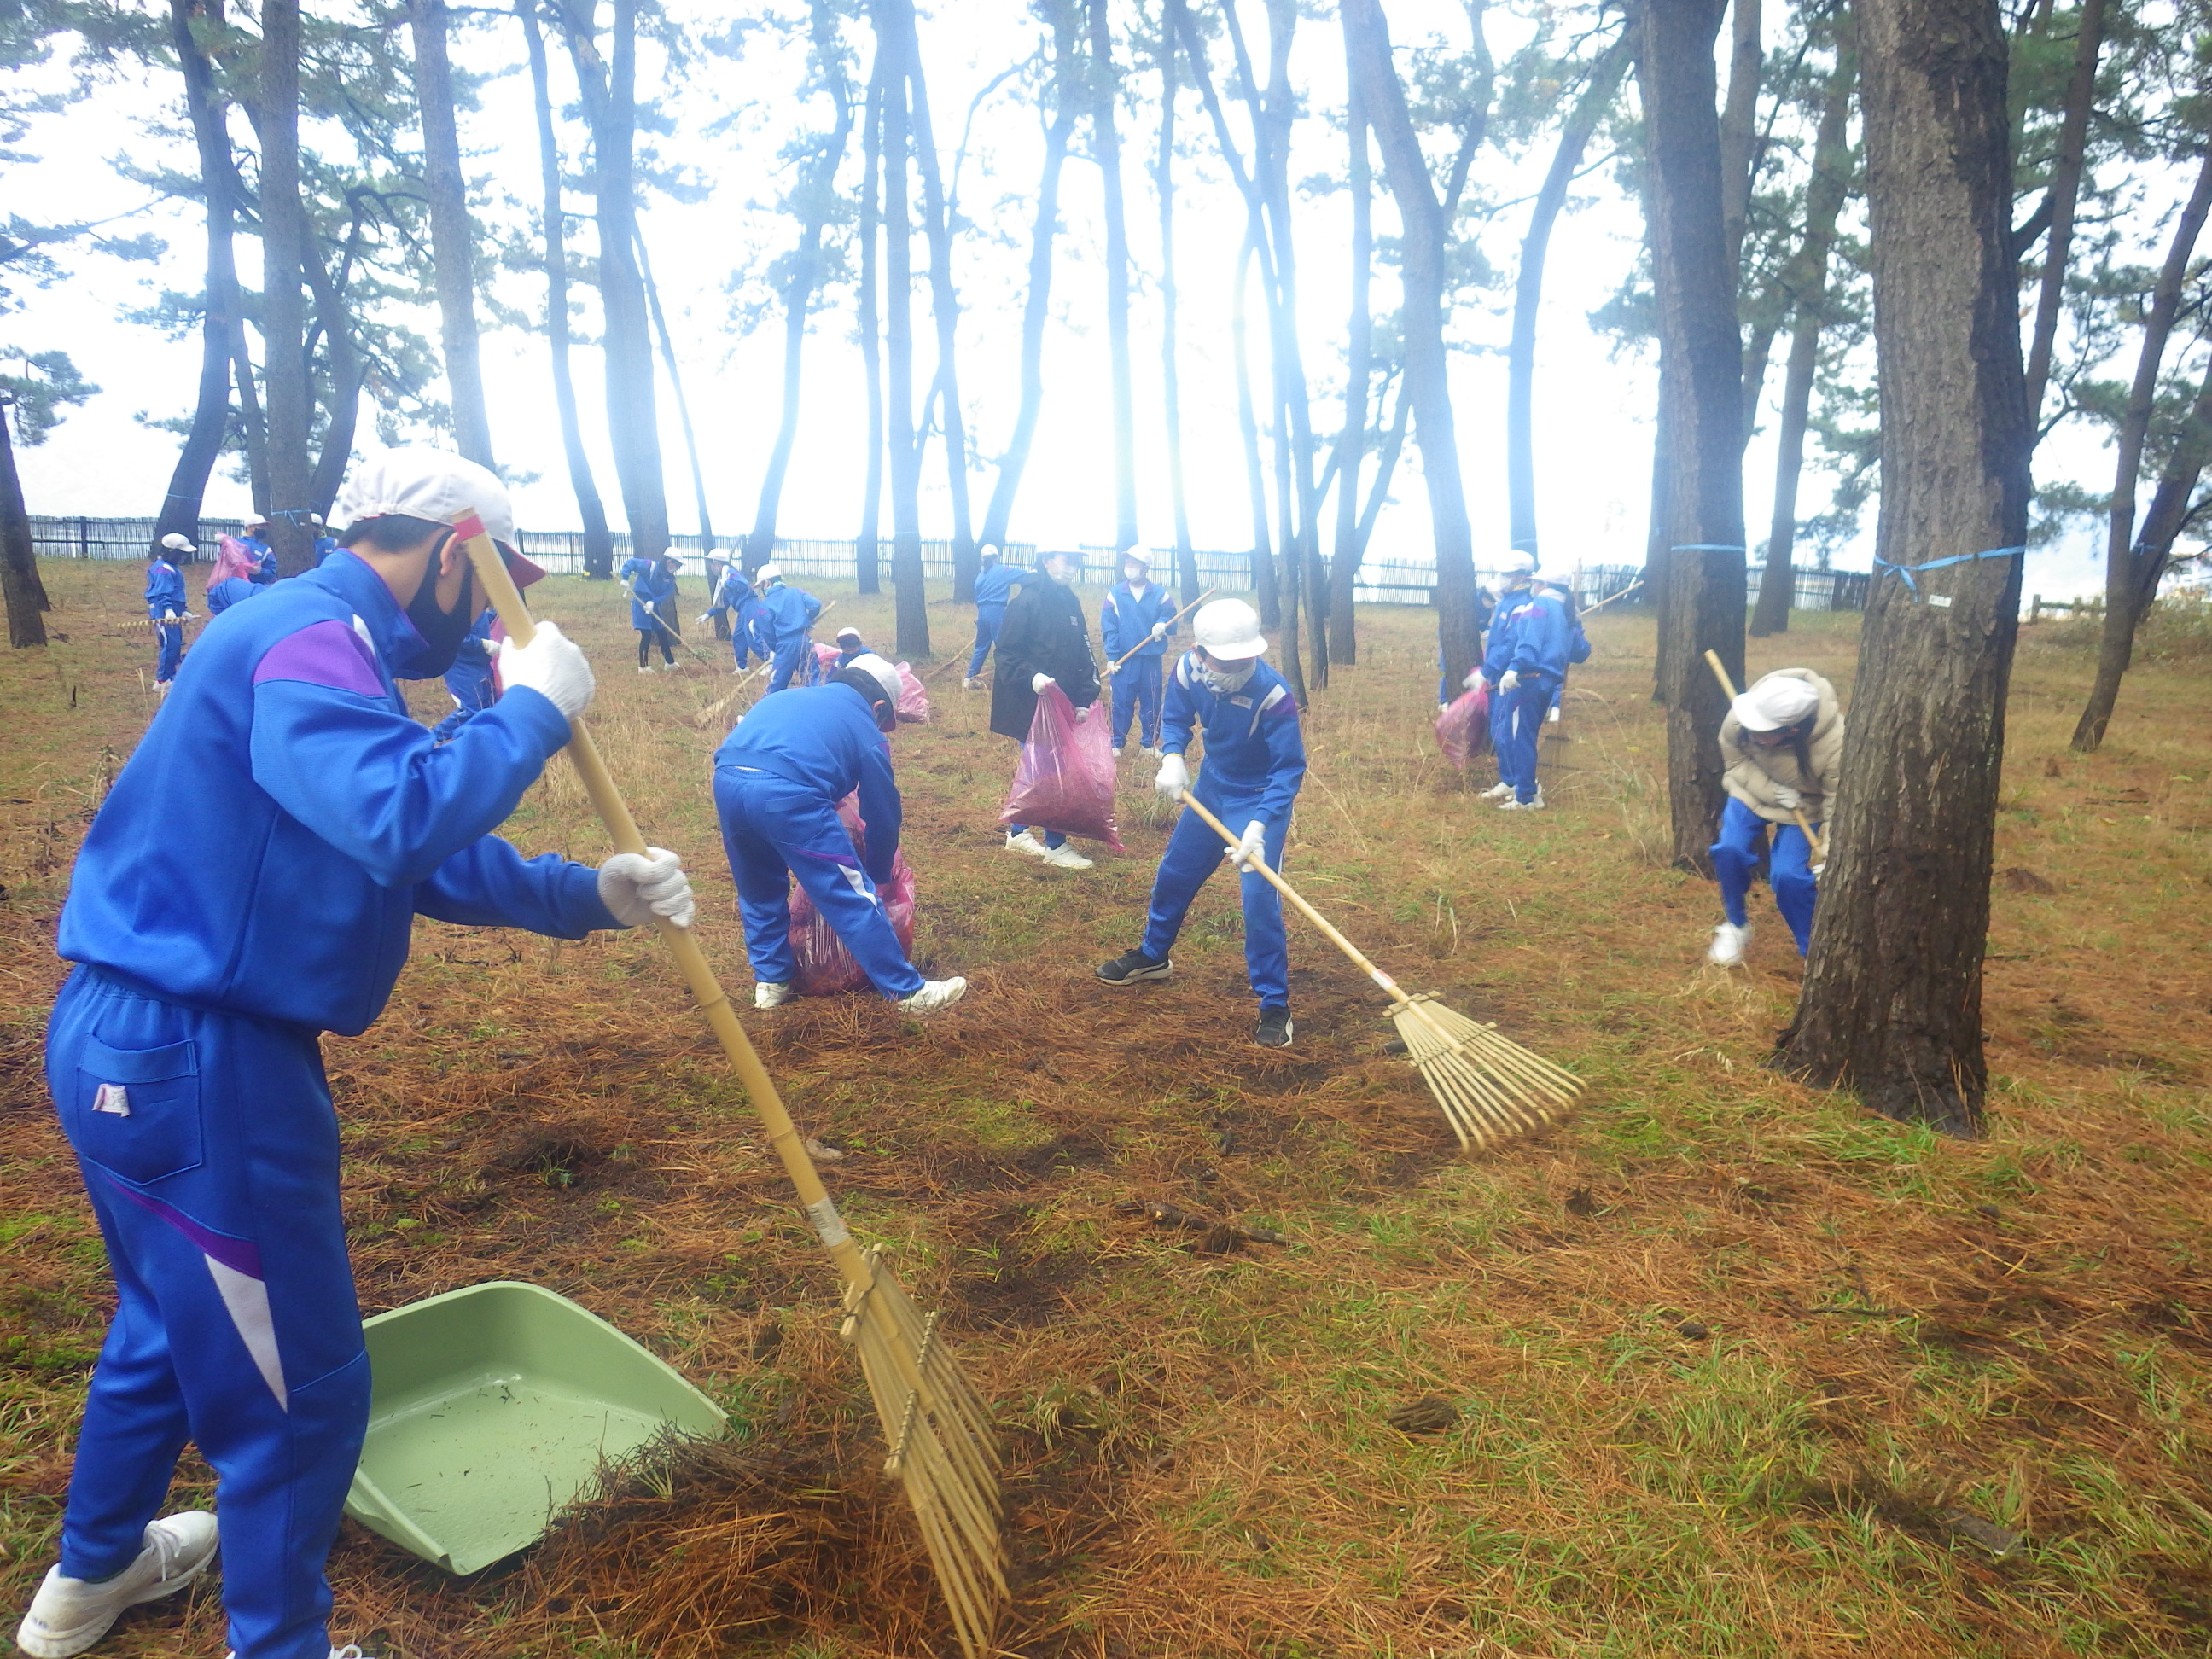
<point>441,630</point>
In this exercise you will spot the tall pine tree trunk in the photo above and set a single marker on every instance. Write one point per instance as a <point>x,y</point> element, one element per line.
<point>2125,594</point>
<point>909,601</point>
<point>867,546</point>
<point>453,237</point>
<point>1358,371</point>
<point>2064,195</point>
<point>1701,392</point>
<point>1367,52</point>
<point>1247,428</point>
<point>24,593</point>
<point>1740,125</point>
<point>667,342</point>
<point>1808,286</point>
<point>347,373</point>
<point>553,229</point>
<point>284,299</point>
<point>1106,149</point>
<point>1891,1003</point>
<point>1186,556</point>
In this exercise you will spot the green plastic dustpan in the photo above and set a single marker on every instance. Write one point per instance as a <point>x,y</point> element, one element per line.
<point>492,1410</point>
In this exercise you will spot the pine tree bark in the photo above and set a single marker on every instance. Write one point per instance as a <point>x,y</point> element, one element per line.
<point>2127,596</point>
<point>1358,371</point>
<point>1265,586</point>
<point>283,299</point>
<point>346,371</point>
<point>1739,124</point>
<point>909,602</point>
<point>667,343</point>
<point>222,319</point>
<point>1808,286</point>
<point>24,595</point>
<point>2063,196</point>
<point>1598,94</point>
<point>1893,995</point>
<point>867,546</point>
<point>452,236</point>
<point>1186,555</point>
<point>1701,390</point>
<point>553,229</point>
<point>1106,146</point>
<point>1367,52</point>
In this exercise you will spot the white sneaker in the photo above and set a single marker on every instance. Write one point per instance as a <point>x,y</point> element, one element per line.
<point>1064,857</point>
<point>645,670</point>
<point>1026,842</point>
<point>1553,719</point>
<point>971,683</point>
<point>1496,791</point>
<point>1729,943</point>
<point>935,994</point>
<point>68,1615</point>
<point>1152,751</point>
<point>1514,806</point>
<point>350,1651</point>
<point>771,993</point>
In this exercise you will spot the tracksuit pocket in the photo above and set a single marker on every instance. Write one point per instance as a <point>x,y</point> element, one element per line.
<point>136,1111</point>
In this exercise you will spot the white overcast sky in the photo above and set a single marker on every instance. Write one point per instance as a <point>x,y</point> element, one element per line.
<point>1594,408</point>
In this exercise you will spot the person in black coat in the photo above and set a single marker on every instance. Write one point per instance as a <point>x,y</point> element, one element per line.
<point>1044,639</point>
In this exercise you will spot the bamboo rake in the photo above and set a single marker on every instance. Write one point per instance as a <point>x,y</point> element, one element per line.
<point>1813,835</point>
<point>942,1448</point>
<point>1490,1087</point>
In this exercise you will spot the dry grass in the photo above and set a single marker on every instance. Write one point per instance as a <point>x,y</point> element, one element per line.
<point>1730,1357</point>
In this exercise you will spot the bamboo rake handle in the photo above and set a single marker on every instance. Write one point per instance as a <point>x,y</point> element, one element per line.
<point>1172,621</point>
<point>1820,850</point>
<point>1610,598</point>
<point>706,990</point>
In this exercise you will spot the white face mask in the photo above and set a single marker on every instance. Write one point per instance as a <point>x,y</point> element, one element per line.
<point>1221,682</point>
<point>1062,574</point>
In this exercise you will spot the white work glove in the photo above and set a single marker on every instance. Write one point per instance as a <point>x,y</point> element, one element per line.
<point>1252,849</point>
<point>553,666</point>
<point>1159,630</point>
<point>1110,670</point>
<point>706,616</point>
<point>1038,682</point>
<point>1473,681</point>
<point>169,616</point>
<point>1509,681</point>
<point>1785,798</point>
<point>1174,777</point>
<point>639,886</point>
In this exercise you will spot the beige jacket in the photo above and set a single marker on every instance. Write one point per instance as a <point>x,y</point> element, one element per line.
<point>1753,775</point>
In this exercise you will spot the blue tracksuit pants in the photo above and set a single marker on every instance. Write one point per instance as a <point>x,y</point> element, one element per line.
<point>1195,852</point>
<point>794,664</point>
<point>170,638</point>
<point>1788,868</point>
<point>1516,718</point>
<point>743,645</point>
<point>989,619</point>
<point>774,830</point>
<point>1137,691</point>
<point>470,683</point>
<point>210,1151</point>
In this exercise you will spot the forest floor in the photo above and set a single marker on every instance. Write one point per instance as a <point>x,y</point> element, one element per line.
<point>1739,1370</point>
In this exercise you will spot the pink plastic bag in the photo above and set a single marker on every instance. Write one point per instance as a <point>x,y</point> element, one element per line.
<point>1463,729</point>
<point>232,558</point>
<point>1066,778</point>
<point>825,966</point>
<point>913,704</point>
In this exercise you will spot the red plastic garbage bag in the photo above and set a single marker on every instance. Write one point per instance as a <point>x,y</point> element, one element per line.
<point>1463,729</point>
<point>913,705</point>
<point>1066,778</point>
<point>825,966</point>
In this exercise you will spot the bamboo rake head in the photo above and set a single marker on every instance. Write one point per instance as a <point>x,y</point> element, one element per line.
<point>1491,1088</point>
<point>943,1451</point>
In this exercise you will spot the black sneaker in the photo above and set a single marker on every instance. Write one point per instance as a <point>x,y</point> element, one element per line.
<point>1275,1029</point>
<point>1133,965</point>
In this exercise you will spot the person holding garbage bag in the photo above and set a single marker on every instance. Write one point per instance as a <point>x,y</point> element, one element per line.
<point>1256,759</point>
<point>1524,663</point>
<point>786,622</point>
<point>1044,641</point>
<point>249,883</point>
<point>1137,617</point>
<point>778,778</point>
<point>1780,742</point>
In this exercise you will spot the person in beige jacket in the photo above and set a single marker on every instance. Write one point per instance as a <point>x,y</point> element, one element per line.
<point>1780,742</point>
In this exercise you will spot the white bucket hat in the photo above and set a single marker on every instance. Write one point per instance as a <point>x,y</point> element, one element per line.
<point>1229,630</point>
<point>1775,702</point>
<point>423,482</point>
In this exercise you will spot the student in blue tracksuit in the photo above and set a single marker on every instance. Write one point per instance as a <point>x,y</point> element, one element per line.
<point>778,778</point>
<point>165,598</point>
<point>1524,663</point>
<point>325,544</point>
<point>850,646</point>
<point>735,603</point>
<point>254,538</point>
<point>994,586</point>
<point>249,883</point>
<point>1138,616</point>
<point>785,625</point>
<point>652,584</point>
<point>469,680</point>
<point>1255,758</point>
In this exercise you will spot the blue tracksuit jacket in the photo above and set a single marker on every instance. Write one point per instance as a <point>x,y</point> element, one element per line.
<point>228,592</point>
<point>265,559</point>
<point>1531,633</point>
<point>735,597</point>
<point>994,586</point>
<point>1256,759</point>
<point>786,617</point>
<point>1127,619</point>
<point>648,579</point>
<point>469,680</point>
<point>165,596</point>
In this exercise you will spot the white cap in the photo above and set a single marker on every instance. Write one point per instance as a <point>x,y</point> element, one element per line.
<point>1136,555</point>
<point>769,573</point>
<point>882,673</point>
<point>428,483</point>
<point>1228,629</point>
<point>849,633</point>
<point>988,552</point>
<point>1775,702</point>
<point>178,542</point>
<point>1517,563</point>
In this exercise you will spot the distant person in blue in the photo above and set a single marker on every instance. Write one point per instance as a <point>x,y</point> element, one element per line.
<point>786,629</point>
<point>1524,662</point>
<point>254,538</point>
<point>166,607</point>
<point>652,584</point>
<point>1781,743</point>
<point>994,586</point>
<point>1256,759</point>
<point>850,646</point>
<point>1138,616</point>
<point>778,778</point>
<point>469,680</point>
<point>325,544</point>
<point>249,883</point>
<point>734,600</point>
